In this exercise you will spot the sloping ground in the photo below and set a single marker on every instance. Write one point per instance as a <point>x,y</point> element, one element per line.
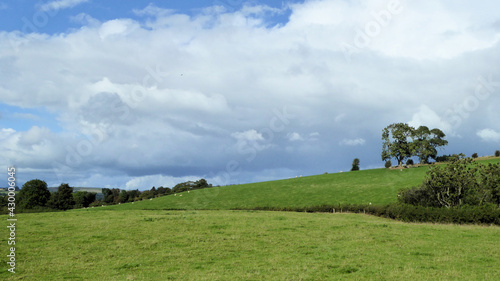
<point>378,186</point>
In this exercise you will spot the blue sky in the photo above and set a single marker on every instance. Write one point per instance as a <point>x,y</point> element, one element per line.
<point>28,16</point>
<point>135,94</point>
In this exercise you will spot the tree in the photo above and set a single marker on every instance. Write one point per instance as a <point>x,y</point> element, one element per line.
<point>497,153</point>
<point>490,180</point>
<point>355,165</point>
<point>34,193</point>
<point>388,164</point>
<point>474,155</point>
<point>426,143</point>
<point>397,142</point>
<point>454,184</point>
<point>62,199</point>
<point>83,199</point>
<point>123,198</point>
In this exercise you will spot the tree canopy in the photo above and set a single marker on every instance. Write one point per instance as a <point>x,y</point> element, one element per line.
<point>34,193</point>
<point>402,141</point>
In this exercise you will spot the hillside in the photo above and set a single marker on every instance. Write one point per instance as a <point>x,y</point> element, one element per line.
<point>378,186</point>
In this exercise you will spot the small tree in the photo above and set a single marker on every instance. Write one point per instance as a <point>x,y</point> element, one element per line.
<point>355,165</point>
<point>409,162</point>
<point>454,184</point>
<point>63,198</point>
<point>474,155</point>
<point>497,153</point>
<point>388,164</point>
<point>83,199</point>
<point>34,193</point>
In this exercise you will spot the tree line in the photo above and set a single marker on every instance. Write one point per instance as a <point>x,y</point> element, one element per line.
<point>35,196</point>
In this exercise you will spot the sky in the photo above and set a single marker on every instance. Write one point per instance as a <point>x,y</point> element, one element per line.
<point>136,94</point>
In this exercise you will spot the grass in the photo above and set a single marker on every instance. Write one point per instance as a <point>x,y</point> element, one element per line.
<point>245,245</point>
<point>378,186</point>
<point>144,241</point>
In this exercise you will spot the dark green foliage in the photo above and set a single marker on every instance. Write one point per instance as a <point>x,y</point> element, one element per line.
<point>355,165</point>
<point>34,193</point>
<point>123,198</point>
<point>397,142</point>
<point>402,141</point>
<point>83,199</point>
<point>450,158</point>
<point>474,155</point>
<point>418,196</point>
<point>63,198</point>
<point>426,143</point>
<point>490,182</point>
<point>497,153</point>
<point>462,182</point>
<point>388,164</point>
<point>409,162</point>
<point>190,185</point>
<point>146,195</point>
<point>164,191</point>
<point>484,214</point>
<point>133,195</point>
<point>111,196</point>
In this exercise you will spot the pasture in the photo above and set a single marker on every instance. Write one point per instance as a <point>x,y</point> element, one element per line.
<point>246,245</point>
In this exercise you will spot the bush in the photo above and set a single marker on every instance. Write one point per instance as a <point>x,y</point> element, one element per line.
<point>388,164</point>
<point>409,162</point>
<point>485,214</point>
<point>355,165</point>
<point>418,196</point>
<point>474,155</point>
<point>497,153</point>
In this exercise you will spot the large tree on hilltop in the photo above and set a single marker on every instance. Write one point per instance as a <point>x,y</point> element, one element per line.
<point>397,142</point>
<point>426,143</point>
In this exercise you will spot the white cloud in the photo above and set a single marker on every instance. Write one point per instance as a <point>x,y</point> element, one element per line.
<point>250,135</point>
<point>294,137</point>
<point>61,4</point>
<point>186,94</point>
<point>353,142</point>
<point>425,116</point>
<point>489,135</point>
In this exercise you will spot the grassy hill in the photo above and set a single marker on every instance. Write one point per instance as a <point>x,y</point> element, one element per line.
<point>376,186</point>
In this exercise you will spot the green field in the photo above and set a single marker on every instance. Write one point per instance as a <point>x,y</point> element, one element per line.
<point>156,240</point>
<point>246,245</point>
<point>378,186</point>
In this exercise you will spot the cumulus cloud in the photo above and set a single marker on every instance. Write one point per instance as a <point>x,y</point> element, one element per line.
<point>489,135</point>
<point>294,137</point>
<point>425,116</point>
<point>166,95</point>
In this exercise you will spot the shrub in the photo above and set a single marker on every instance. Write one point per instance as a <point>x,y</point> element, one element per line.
<point>355,165</point>
<point>497,153</point>
<point>388,164</point>
<point>409,162</point>
<point>474,155</point>
<point>418,196</point>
